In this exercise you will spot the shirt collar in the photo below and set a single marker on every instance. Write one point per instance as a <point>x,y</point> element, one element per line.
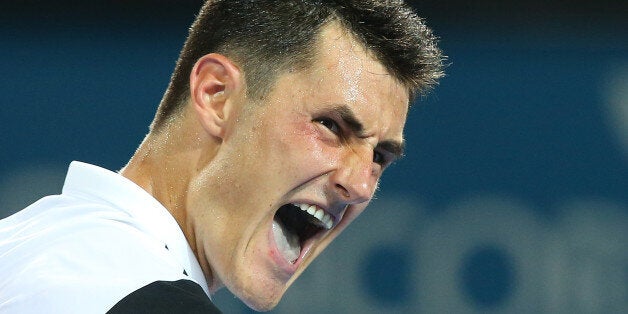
<point>95,182</point>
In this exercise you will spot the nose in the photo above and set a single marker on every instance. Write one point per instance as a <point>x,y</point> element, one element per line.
<point>354,180</point>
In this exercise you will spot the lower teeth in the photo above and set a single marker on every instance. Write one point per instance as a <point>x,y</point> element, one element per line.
<point>287,242</point>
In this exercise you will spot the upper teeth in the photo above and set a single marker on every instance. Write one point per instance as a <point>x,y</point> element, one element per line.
<point>324,219</point>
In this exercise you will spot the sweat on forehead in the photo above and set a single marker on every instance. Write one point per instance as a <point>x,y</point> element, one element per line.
<point>334,40</point>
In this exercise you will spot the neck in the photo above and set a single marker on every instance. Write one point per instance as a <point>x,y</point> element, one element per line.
<point>163,169</point>
<point>164,165</point>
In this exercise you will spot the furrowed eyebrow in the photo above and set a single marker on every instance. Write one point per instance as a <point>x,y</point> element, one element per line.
<point>346,114</point>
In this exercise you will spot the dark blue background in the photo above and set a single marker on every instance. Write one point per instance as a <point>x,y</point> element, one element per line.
<point>523,110</point>
<point>520,111</point>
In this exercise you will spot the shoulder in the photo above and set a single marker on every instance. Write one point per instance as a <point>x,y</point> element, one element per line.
<point>182,296</point>
<point>69,256</point>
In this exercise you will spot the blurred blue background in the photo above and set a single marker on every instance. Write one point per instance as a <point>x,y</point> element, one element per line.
<point>512,197</point>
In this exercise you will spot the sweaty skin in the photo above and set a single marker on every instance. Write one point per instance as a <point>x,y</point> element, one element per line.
<point>226,164</point>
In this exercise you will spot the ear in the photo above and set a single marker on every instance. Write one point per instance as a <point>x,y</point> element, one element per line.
<point>214,82</point>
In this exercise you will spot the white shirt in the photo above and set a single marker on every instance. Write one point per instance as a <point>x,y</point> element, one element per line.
<point>83,251</point>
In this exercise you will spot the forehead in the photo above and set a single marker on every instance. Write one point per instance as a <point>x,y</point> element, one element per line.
<point>344,72</point>
<point>337,49</point>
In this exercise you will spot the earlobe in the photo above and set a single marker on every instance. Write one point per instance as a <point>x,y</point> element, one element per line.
<point>214,81</point>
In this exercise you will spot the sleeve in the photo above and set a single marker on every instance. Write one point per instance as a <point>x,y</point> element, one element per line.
<point>181,296</point>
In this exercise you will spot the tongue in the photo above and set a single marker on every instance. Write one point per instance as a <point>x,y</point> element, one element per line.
<point>287,242</point>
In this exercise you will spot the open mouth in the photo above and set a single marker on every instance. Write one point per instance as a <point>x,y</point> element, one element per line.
<point>295,224</point>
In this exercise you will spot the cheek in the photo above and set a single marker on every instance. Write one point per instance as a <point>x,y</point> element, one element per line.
<point>310,146</point>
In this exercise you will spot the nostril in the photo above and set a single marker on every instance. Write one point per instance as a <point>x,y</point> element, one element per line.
<point>343,191</point>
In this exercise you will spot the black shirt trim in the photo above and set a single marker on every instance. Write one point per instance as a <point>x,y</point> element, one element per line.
<point>181,296</point>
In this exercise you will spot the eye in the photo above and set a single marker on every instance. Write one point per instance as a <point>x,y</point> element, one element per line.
<point>330,124</point>
<point>379,158</point>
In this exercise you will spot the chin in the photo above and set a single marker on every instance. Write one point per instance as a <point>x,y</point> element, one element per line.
<point>257,289</point>
<point>262,302</point>
<point>262,307</point>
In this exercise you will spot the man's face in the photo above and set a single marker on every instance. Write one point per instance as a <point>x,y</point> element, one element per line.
<point>295,168</point>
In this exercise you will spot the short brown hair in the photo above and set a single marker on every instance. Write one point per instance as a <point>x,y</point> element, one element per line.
<point>267,37</point>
